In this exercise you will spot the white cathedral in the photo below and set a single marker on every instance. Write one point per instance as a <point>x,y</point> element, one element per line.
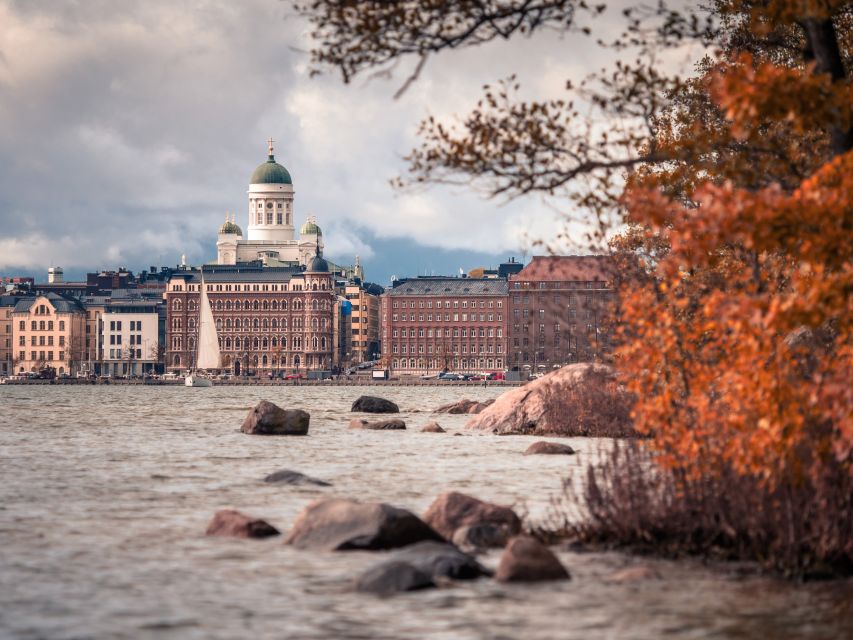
<point>270,231</point>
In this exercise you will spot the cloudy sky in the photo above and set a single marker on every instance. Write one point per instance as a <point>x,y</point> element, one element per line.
<point>128,129</point>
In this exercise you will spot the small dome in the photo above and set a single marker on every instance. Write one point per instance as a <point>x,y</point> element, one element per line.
<point>310,228</point>
<point>230,227</point>
<point>318,265</point>
<point>270,172</point>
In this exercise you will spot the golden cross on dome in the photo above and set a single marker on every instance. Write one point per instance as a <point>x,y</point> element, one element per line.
<point>270,141</point>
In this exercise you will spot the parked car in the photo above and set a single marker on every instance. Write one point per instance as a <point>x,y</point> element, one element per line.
<point>451,376</point>
<point>496,375</point>
<point>294,376</point>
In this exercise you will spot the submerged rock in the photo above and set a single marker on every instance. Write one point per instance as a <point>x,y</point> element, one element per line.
<point>432,427</point>
<point>441,560</point>
<point>481,536</point>
<point>286,476</point>
<point>372,404</point>
<point>338,524</point>
<point>231,523</point>
<point>464,406</point>
<point>576,400</point>
<point>453,510</point>
<point>379,425</point>
<point>549,448</point>
<point>634,574</point>
<point>525,559</point>
<point>392,577</point>
<point>268,419</point>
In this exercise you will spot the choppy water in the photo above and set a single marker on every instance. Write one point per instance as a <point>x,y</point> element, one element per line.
<point>105,493</point>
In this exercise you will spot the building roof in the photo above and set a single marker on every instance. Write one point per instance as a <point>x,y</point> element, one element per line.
<point>436,286</point>
<point>240,273</point>
<point>310,228</point>
<point>60,303</point>
<point>566,268</point>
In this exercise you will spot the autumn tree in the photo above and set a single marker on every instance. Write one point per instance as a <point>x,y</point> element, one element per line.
<point>733,191</point>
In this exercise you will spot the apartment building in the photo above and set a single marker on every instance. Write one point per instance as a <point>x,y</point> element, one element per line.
<point>48,331</point>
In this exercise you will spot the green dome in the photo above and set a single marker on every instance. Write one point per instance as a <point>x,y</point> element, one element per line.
<point>230,227</point>
<point>271,172</point>
<point>310,228</point>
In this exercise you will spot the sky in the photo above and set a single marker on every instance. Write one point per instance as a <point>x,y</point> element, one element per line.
<point>128,129</point>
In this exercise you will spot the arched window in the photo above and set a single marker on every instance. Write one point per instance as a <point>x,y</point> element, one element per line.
<point>323,286</point>
<point>265,343</point>
<point>256,344</point>
<point>315,305</point>
<point>219,305</point>
<point>274,342</point>
<point>256,305</point>
<point>228,305</point>
<point>191,324</point>
<point>176,305</point>
<point>176,361</point>
<point>219,324</point>
<point>228,343</point>
<point>314,323</point>
<point>264,361</point>
<point>297,323</point>
<point>247,305</point>
<point>323,343</point>
<point>237,324</point>
<point>284,323</point>
<point>256,323</point>
<point>266,324</point>
<point>274,305</point>
<point>284,343</point>
<point>314,288</point>
<point>191,344</point>
<point>265,306</point>
<point>314,343</point>
<point>227,323</point>
<point>297,305</point>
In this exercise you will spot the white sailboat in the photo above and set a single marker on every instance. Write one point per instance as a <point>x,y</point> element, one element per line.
<point>207,346</point>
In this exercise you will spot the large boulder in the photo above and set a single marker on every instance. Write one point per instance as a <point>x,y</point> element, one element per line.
<point>576,400</point>
<point>464,406</point>
<point>267,419</point>
<point>453,510</point>
<point>392,577</point>
<point>231,523</point>
<point>372,404</point>
<point>286,476</point>
<point>432,427</point>
<point>378,425</point>
<point>549,448</point>
<point>525,559</point>
<point>338,524</point>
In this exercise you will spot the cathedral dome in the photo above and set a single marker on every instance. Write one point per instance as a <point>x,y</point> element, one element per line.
<point>270,172</point>
<point>310,228</point>
<point>230,227</point>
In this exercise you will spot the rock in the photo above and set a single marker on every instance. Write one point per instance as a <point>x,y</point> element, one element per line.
<point>464,406</point>
<point>267,419</point>
<point>286,476</point>
<point>453,510</point>
<point>432,427</point>
<point>380,425</point>
<point>525,559</point>
<point>477,537</point>
<point>231,523</point>
<point>576,400</point>
<point>372,404</point>
<point>337,524</point>
<point>441,560</point>
<point>634,574</point>
<point>393,577</point>
<point>549,448</point>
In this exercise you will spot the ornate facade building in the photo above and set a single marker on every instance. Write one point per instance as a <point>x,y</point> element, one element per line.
<point>268,319</point>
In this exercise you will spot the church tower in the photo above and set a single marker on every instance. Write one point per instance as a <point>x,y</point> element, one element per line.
<point>270,202</point>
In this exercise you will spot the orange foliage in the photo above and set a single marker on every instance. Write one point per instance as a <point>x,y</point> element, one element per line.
<point>740,347</point>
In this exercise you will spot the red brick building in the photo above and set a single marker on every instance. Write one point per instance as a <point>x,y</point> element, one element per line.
<point>432,324</point>
<point>559,312</point>
<point>267,319</point>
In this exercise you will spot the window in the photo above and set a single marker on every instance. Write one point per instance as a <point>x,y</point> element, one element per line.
<point>62,325</point>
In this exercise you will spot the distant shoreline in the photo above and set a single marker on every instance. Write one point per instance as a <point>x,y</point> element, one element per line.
<point>339,382</point>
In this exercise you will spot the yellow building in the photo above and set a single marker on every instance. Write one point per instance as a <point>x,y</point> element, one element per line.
<point>48,331</point>
<point>364,340</point>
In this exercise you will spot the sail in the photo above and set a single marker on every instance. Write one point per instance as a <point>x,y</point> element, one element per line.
<point>208,343</point>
